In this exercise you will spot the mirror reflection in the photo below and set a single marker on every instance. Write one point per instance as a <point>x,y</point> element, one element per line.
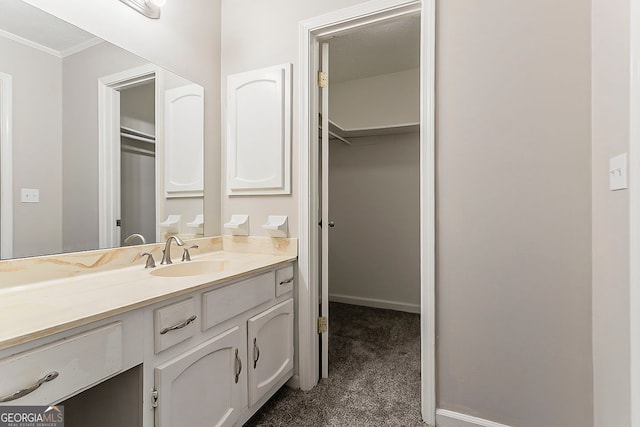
<point>104,146</point>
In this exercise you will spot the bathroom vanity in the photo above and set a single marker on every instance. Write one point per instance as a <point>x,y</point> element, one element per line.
<point>199,343</point>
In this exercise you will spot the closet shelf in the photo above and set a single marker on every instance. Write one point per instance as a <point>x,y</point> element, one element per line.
<point>337,132</point>
<point>373,131</point>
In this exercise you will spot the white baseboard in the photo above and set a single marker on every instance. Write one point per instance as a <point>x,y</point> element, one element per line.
<point>446,418</point>
<point>375,303</point>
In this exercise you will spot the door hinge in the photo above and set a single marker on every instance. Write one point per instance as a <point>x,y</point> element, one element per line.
<point>118,222</point>
<point>154,398</point>
<point>323,78</point>
<point>322,325</point>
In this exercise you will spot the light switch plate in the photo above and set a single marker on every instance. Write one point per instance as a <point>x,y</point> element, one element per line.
<point>29,195</point>
<point>618,172</point>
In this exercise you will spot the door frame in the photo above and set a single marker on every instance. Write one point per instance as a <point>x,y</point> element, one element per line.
<point>310,31</point>
<point>6,166</point>
<point>109,88</point>
<point>634,210</point>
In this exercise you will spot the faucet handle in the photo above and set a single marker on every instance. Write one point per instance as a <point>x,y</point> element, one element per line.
<point>185,254</point>
<point>151,263</point>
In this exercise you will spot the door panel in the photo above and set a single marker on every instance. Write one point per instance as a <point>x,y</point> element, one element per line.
<point>199,387</point>
<point>270,343</point>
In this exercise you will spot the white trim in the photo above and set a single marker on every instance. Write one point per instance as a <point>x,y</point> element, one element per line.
<point>428,210</point>
<point>310,31</point>
<point>6,166</point>
<point>446,418</point>
<point>29,43</point>
<point>109,146</point>
<point>50,51</point>
<point>81,46</point>
<point>634,211</point>
<point>375,303</point>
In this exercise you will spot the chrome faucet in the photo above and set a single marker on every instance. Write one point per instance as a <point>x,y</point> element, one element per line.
<point>166,252</point>
<point>132,237</point>
<point>185,255</point>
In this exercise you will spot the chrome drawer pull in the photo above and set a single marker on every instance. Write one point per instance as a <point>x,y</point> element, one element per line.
<point>179,325</point>
<point>284,282</point>
<point>21,393</point>
<point>256,353</point>
<point>238,366</point>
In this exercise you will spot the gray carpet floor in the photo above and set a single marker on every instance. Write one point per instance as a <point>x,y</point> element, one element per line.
<point>374,375</point>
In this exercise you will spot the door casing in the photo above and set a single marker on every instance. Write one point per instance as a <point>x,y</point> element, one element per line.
<point>6,166</point>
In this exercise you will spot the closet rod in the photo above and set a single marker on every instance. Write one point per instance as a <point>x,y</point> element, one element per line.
<point>138,150</point>
<point>335,135</point>
<point>137,138</point>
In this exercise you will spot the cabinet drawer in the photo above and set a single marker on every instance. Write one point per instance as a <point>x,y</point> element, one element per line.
<point>284,280</point>
<point>79,361</point>
<point>227,302</point>
<point>174,323</point>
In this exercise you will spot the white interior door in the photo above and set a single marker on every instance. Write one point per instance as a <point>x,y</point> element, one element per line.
<point>324,300</point>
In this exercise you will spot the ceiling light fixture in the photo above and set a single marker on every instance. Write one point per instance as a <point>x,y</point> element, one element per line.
<point>149,8</point>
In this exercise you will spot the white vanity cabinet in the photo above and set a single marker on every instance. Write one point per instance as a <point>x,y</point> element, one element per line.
<point>233,349</point>
<point>204,386</point>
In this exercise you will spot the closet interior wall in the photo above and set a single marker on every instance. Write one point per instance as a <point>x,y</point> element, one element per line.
<point>374,193</point>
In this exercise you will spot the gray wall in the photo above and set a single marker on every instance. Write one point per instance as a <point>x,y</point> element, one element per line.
<point>385,100</point>
<point>514,211</point>
<point>514,196</point>
<point>374,199</point>
<point>374,194</point>
<point>37,139</point>
<point>610,126</point>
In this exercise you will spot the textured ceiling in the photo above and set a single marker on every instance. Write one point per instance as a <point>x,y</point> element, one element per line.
<point>384,48</point>
<point>33,24</point>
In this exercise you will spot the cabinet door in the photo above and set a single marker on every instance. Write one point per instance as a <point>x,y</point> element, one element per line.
<point>270,345</point>
<point>205,386</point>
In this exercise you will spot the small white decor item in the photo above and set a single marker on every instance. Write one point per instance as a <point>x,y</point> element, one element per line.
<point>171,224</point>
<point>238,225</point>
<point>277,226</point>
<point>197,224</point>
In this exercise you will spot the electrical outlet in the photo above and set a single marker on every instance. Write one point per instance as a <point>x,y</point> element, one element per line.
<point>29,195</point>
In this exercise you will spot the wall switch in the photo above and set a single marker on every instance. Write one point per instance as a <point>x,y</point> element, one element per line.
<point>29,195</point>
<point>618,172</point>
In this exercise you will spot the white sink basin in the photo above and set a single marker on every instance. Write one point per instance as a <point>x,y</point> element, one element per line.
<point>189,268</point>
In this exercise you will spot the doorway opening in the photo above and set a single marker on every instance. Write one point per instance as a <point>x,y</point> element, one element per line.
<point>137,164</point>
<point>310,291</point>
<point>128,160</point>
<point>371,177</point>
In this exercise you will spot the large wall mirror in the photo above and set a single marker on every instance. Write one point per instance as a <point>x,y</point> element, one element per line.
<point>104,146</point>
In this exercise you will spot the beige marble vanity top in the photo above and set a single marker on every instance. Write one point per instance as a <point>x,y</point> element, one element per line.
<point>44,295</point>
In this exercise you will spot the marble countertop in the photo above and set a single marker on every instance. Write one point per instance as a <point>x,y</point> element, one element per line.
<point>44,307</point>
